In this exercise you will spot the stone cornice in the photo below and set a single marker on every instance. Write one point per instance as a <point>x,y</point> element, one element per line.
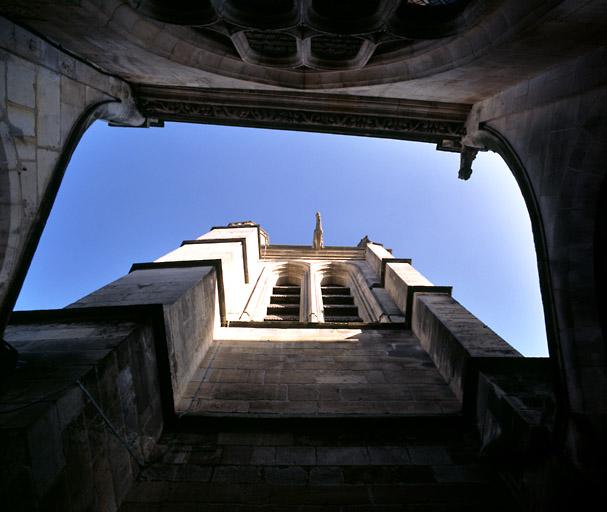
<point>441,123</point>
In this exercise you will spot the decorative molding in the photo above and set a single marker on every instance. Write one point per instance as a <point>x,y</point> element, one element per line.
<point>440,123</point>
<point>301,35</point>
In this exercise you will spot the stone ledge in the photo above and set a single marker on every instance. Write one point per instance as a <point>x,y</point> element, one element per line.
<point>402,282</point>
<point>454,338</point>
<point>215,263</point>
<point>242,241</point>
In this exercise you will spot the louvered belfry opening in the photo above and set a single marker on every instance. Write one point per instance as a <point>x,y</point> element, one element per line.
<point>284,303</point>
<point>338,304</point>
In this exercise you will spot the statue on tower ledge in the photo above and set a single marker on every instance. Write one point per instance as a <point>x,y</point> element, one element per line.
<point>318,242</point>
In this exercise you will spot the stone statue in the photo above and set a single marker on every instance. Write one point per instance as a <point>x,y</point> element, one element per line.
<point>318,242</point>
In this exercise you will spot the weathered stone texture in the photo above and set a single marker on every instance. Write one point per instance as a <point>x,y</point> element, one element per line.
<point>321,466</point>
<point>188,297</point>
<point>58,452</point>
<point>453,338</point>
<point>532,77</point>
<point>44,102</point>
<point>559,159</point>
<point>370,373</point>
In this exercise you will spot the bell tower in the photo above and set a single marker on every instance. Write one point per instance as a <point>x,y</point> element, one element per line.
<point>232,372</point>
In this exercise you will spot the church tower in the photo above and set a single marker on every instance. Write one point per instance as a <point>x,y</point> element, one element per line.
<point>236,374</point>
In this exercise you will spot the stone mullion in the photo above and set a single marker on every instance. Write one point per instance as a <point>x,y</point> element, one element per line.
<point>315,311</point>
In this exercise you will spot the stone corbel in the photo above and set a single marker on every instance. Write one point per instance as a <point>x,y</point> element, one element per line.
<point>470,145</point>
<point>467,156</point>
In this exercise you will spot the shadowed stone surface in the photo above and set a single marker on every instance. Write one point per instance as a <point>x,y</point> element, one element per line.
<point>320,465</point>
<point>368,374</point>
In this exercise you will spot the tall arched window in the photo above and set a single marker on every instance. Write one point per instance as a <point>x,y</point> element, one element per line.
<point>345,294</point>
<point>285,301</point>
<point>279,294</point>
<point>338,302</point>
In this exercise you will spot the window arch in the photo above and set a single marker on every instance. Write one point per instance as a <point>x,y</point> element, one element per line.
<point>280,293</point>
<point>345,295</point>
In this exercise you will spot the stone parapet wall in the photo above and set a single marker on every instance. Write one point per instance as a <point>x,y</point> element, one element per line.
<point>374,254</point>
<point>453,338</point>
<point>239,251</point>
<point>189,300</point>
<point>401,281</point>
<point>85,390</point>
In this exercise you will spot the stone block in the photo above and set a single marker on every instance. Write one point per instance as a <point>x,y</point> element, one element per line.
<point>326,475</point>
<point>453,337</point>
<point>22,121</point>
<point>429,455</point>
<point>249,495</point>
<point>26,148</point>
<point>130,506</point>
<point>263,455</point>
<point>388,455</point>
<point>354,408</point>
<point>3,59</point>
<point>237,474</point>
<point>385,475</point>
<point>72,92</point>
<point>21,82</point>
<point>69,116</point>
<point>473,473</point>
<point>193,473</point>
<point>256,438</point>
<point>303,392</point>
<point>295,455</point>
<point>79,471</point>
<point>46,450</point>
<point>218,406</point>
<point>291,475</point>
<point>237,455</point>
<point>289,377</point>
<point>288,408</point>
<point>48,94</point>
<point>177,492</point>
<point>342,456</point>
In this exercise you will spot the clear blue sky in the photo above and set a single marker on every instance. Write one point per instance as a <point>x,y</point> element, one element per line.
<point>131,195</point>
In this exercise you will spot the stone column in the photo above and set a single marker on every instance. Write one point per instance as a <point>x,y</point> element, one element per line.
<point>315,311</point>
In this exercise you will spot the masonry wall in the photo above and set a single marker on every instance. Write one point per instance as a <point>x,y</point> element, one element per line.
<point>63,448</point>
<point>47,100</point>
<point>559,159</point>
<point>189,301</point>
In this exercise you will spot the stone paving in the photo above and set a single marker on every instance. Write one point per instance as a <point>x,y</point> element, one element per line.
<point>373,373</point>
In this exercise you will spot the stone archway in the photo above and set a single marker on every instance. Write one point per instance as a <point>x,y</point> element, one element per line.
<point>51,100</point>
<point>558,161</point>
